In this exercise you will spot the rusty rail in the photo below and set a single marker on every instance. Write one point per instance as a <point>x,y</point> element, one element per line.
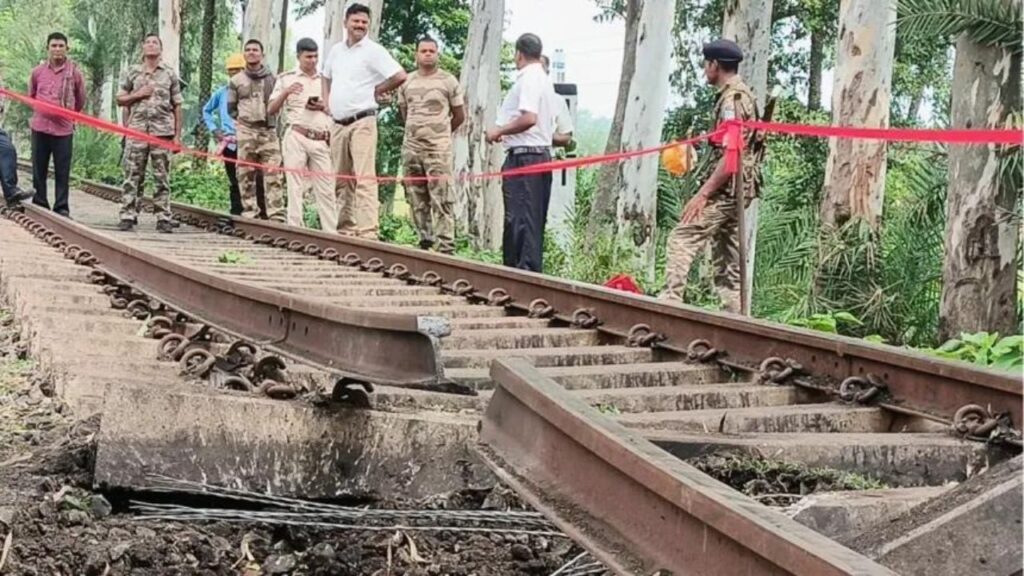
<point>633,506</point>
<point>915,381</point>
<point>347,342</point>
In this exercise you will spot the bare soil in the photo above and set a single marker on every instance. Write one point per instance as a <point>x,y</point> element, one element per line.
<point>51,523</point>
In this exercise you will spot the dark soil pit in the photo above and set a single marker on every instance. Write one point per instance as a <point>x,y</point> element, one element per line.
<point>54,525</point>
<point>775,482</point>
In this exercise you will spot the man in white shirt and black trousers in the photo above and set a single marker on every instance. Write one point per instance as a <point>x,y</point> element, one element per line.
<point>526,125</point>
<point>357,74</point>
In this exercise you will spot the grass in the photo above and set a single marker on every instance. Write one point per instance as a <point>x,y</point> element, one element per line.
<point>234,257</point>
<point>776,482</point>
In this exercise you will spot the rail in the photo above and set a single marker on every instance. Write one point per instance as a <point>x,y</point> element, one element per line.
<point>916,382</point>
<point>347,342</point>
<point>630,504</point>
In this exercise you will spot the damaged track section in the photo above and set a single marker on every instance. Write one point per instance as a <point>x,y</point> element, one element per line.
<point>355,344</point>
<point>633,506</point>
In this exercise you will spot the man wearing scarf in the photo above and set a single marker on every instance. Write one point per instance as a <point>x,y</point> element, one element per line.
<point>248,97</point>
<point>57,81</point>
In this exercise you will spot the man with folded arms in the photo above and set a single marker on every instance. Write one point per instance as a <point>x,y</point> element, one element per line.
<point>358,74</point>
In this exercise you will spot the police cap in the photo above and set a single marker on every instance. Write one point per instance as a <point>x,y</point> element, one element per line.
<point>723,51</point>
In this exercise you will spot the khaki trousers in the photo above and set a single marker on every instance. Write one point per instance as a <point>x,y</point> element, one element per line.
<point>301,153</point>
<point>354,152</point>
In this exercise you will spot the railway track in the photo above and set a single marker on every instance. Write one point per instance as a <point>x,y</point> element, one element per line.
<point>689,381</point>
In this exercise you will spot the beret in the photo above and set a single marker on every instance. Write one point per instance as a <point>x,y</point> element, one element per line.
<point>723,51</point>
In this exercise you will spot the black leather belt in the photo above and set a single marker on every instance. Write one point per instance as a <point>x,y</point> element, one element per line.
<point>517,150</point>
<point>356,117</point>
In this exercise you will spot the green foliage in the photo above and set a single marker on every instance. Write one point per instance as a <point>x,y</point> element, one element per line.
<point>985,349</point>
<point>831,322</point>
<point>397,230</point>
<point>234,257</point>
<point>98,157</point>
<point>987,22</point>
<point>200,184</point>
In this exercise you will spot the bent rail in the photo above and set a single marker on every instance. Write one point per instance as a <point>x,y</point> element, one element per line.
<point>915,381</point>
<point>633,506</point>
<point>348,342</point>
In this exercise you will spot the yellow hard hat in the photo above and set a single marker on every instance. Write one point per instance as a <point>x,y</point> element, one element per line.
<point>678,159</point>
<point>234,62</point>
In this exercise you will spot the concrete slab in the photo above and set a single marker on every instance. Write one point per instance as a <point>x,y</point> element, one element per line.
<point>513,338</point>
<point>897,459</point>
<point>703,397</point>
<point>842,515</point>
<point>974,529</point>
<point>284,448</point>
<point>498,322</point>
<point>613,376</point>
<point>461,310</point>
<point>392,301</point>
<point>803,418</point>
<point>550,357</point>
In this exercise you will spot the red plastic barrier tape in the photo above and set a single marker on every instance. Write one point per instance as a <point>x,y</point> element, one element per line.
<point>553,166</point>
<point>1009,137</point>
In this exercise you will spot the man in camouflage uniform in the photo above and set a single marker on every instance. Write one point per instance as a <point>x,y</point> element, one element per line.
<point>248,98</point>
<point>9,164</point>
<point>432,104</point>
<point>151,92</point>
<point>710,216</point>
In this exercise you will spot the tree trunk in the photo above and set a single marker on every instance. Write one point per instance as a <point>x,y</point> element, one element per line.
<point>334,21</point>
<point>170,33</point>
<point>206,63</point>
<point>914,109</point>
<point>979,276</point>
<point>749,24</point>
<point>855,172</point>
<point>642,123</point>
<point>285,51</point>
<point>95,97</point>
<point>106,108</point>
<point>262,21</point>
<point>604,210</point>
<point>479,207</point>
<point>815,68</point>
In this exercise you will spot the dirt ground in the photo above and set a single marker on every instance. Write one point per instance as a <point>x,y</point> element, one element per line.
<point>52,524</point>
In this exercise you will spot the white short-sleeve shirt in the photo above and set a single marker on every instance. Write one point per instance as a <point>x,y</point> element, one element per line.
<point>354,72</point>
<point>563,119</point>
<point>532,92</point>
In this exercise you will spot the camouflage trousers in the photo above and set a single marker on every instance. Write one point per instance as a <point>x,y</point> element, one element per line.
<point>136,157</point>
<point>262,147</point>
<point>433,203</point>
<point>717,225</point>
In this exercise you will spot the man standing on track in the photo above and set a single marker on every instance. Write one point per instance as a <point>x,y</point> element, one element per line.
<point>432,104</point>
<point>526,128</point>
<point>57,81</point>
<point>9,163</point>
<point>361,73</point>
<point>710,216</point>
<point>220,124</point>
<point>307,139</point>
<point>152,93</point>
<point>248,99</point>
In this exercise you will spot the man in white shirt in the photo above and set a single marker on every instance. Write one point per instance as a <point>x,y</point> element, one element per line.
<point>526,126</point>
<point>362,73</point>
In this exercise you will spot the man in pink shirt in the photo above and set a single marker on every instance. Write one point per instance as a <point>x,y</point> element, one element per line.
<point>56,81</point>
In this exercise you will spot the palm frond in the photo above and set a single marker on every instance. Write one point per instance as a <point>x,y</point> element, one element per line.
<point>987,22</point>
